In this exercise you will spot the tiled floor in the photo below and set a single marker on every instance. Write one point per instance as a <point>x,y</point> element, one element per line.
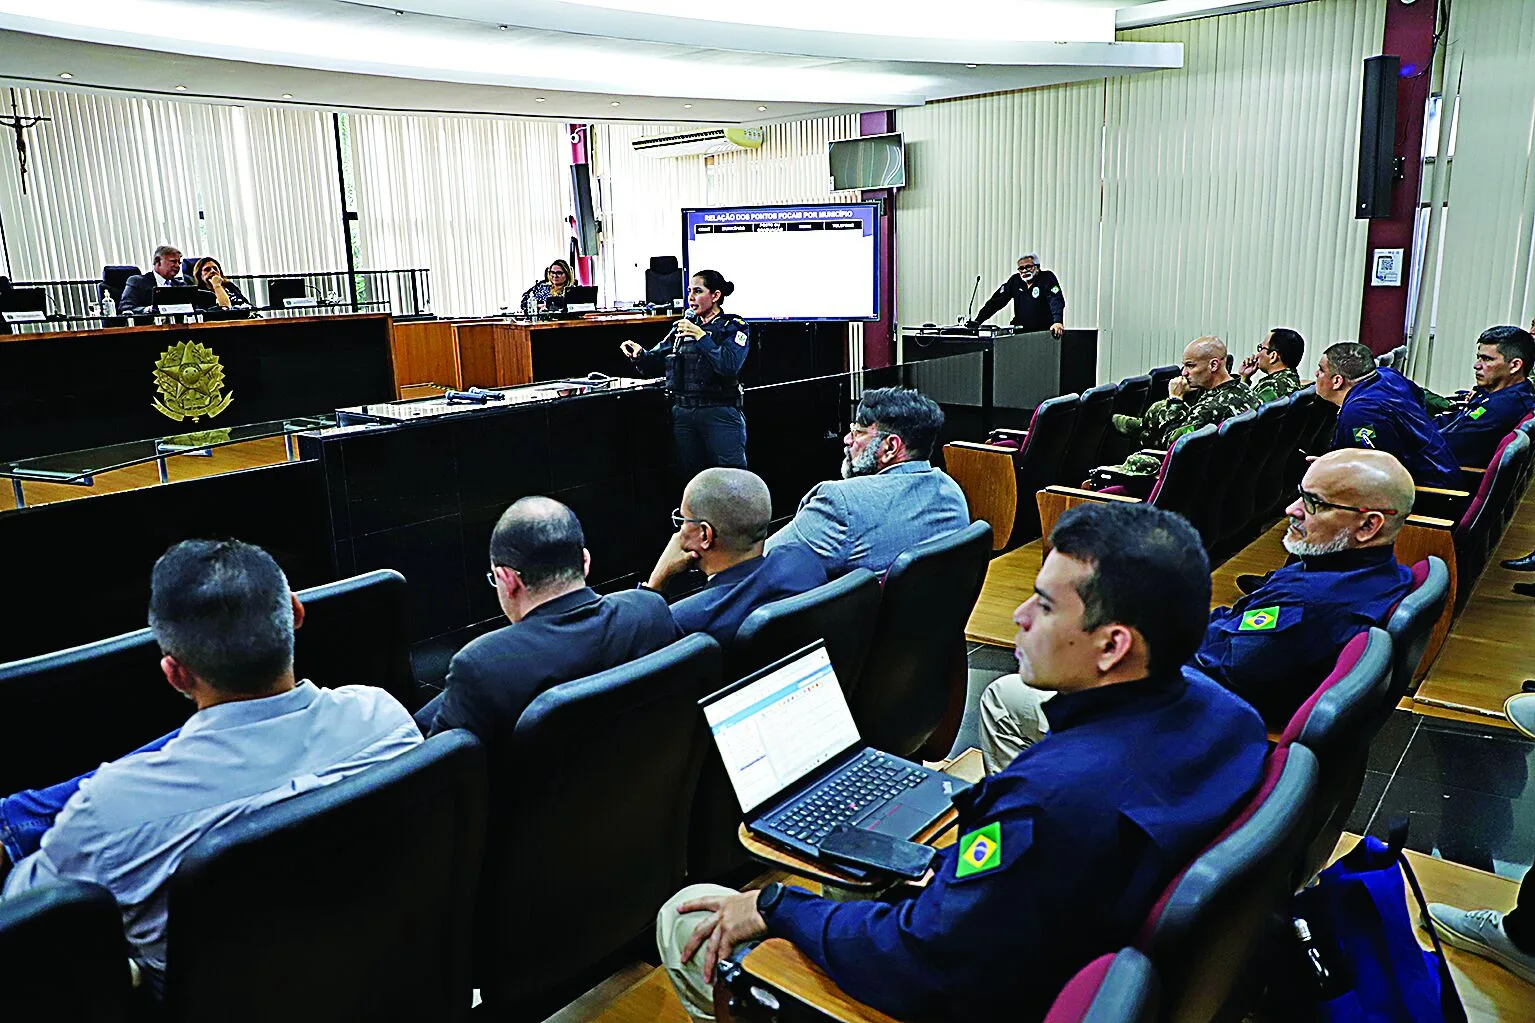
<point>1468,791</point>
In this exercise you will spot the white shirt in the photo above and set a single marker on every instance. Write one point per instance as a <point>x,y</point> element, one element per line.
<point>130,824</point>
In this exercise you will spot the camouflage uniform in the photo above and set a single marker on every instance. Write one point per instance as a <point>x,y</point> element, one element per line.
<point>1168,420</point>
<point>1276,385</point>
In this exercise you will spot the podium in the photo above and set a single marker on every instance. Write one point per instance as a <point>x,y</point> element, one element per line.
<point>1014,373</point>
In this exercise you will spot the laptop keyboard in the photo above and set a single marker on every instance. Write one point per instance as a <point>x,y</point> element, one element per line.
<point>845,797</point>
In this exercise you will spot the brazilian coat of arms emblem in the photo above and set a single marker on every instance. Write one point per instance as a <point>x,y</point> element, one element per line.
<point>190,380</point>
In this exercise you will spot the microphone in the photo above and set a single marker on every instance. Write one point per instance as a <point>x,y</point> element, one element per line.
<point>970,309</point>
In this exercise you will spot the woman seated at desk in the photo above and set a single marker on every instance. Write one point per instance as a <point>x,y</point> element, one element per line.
<point>557,280</point>
<point>209,275</point>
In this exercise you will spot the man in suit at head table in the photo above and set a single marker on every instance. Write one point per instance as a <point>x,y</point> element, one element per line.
<point>164,272</point>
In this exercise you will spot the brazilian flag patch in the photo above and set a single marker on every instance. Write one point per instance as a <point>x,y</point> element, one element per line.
<point>1476,413</point>
<point>1365,435</point>
<point>1259,619</point>
<point>980,851</point>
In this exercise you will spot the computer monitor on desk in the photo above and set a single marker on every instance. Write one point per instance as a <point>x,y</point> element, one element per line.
<point>24,305</point>
<point>577,300</point>
<point>288,293</point>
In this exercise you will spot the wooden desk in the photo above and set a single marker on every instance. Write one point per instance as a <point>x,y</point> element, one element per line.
<point>508,353</point>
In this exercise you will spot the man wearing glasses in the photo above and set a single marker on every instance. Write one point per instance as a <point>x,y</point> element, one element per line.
<point>1278,355</point>
<point>1277,644</point>
<point>1036,296</point>
<point>561,629</point>
<point>720,528</point>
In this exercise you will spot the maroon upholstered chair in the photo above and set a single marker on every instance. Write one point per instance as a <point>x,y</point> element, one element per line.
<point>1412,623</point>
<point>1116,988</point>
<point>1202,933</point>
<point>1037,458</point>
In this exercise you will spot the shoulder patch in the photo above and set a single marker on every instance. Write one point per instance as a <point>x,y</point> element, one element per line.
<point>1260,619</point>
<point>979,851</point>
<point>1477,412</point>
<point>1365,435</point>
<point>1055,290</point>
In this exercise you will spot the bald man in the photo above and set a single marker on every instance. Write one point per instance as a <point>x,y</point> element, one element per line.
<point>1277,644</point>
<point>1203,393</point>
<point>721,526</point>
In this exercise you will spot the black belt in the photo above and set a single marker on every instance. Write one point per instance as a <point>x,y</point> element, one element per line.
<point>705,401</point>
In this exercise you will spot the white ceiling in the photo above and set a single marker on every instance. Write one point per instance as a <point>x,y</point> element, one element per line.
<point>652,60</point>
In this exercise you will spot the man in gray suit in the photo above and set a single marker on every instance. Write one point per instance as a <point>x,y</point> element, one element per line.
<point>890,498</point>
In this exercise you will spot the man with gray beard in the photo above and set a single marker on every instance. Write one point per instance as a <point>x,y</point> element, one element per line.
<point>890,497</point>
<point>1277,644</point>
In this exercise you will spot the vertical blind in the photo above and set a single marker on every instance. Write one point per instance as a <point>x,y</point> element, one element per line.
<point>482,202</point>
<point>1214,199</point>
<point>111,177</point>
<point>1487,277</point>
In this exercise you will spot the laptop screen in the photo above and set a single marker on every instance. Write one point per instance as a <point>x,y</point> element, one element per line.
<point>773,731</point>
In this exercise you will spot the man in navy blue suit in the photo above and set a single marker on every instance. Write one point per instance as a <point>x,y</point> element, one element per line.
<point>721,526</point>
<point>164,272</point>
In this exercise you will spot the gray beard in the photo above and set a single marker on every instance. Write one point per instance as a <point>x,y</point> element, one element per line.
<point>866,463</point>
<point>1305,549</point>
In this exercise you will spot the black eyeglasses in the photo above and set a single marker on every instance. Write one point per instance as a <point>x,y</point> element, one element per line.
<point>1314,504</point>
<point>678,519</point>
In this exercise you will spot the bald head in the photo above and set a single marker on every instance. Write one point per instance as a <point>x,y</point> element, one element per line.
<point>1204,362</point>
<point>541,540</point>
<point>1357,478</point>
<point>735,502</point>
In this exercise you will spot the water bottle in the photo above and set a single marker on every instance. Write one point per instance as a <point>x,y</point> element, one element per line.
<point>108,307</point>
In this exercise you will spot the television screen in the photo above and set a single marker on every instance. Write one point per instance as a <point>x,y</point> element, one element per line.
<point>875,161</point>
<point>790,262</point>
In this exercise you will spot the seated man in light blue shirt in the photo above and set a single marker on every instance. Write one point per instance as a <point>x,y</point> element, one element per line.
<point>890,498</point>
<point>224,617</point>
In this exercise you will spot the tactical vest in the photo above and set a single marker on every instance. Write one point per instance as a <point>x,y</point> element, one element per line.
<point>689,374</point>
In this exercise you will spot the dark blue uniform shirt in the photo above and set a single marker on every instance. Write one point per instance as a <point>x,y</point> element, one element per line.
<point>1385,411</point>
<point>1073,843</point>
<point>1474,432</point>
<point>1277,644</point>
<point>722,349</point>
<point>729,596</point>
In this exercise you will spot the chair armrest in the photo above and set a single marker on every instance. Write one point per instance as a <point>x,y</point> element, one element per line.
<point>1017,435</point>
<point>1153,452</point>
<point>1091,495</point>
<point>1430,522</point>
<point>778,965</point>
<point>1440,502</point>
<point>975,445</point>
<point>1456,495</point>
<point>1473,469</point>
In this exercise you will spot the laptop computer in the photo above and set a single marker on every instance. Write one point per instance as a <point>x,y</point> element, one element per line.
<point>181,299</point>
<point>799,767</point>
<point>24,305</point>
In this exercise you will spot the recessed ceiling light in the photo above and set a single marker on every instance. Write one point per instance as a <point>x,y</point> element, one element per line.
<point>971,65</point>
<point>760,109</point>
<point>287,95</point>
<point>181,88</point>
<point>538,99</point>
<point>65,74</point>
<point>687,106</point>
<point>501,27</point>
<point>614,103</point>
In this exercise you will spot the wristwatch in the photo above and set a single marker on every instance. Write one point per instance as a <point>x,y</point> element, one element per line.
<point>768,897</point>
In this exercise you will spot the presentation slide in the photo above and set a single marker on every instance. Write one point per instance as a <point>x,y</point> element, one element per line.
<point>790,262</point>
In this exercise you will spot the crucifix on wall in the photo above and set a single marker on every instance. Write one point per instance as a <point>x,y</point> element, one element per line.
<point>19,124</point>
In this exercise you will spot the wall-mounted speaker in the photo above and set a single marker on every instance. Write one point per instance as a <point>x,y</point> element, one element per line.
<point>1377,137</point>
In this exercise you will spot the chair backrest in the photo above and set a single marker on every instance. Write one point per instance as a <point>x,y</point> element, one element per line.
<point>663,280</point>
<point>989,477</point>
<point>374,876</point>
<point>1180,482</point>
<point>1229,482</point>
<point>1081,455</point>
<point>114,277</point>
<point>1039,459</point>
<point>64,955</point>
<point>919,639</point>
<point>1269,496</point>
<point>187,263</point>
<point>1412,623</point>
<point>588,825</point>
<point>1116,988</point>
<point>354,631</point>
<point>1132,395</point>
<point>1202,933</point>
<point>1480,526</point>
<point>1159,378</point>
<point>1337,723</point>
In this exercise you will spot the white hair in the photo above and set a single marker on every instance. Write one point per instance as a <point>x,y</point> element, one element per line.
<point>1029,255</point>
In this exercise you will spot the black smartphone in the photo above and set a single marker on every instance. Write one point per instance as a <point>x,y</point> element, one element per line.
<point>859,848</point>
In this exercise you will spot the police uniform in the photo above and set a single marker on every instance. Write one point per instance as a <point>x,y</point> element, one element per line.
<point>1276,385</point>
<point>1473,433</point>
<point>1060,856</point>
<point>707,423</point>
<point>1036,305</point>
<point>1384,411</point>
<point>1171,418</point>
<point>1277,644</point>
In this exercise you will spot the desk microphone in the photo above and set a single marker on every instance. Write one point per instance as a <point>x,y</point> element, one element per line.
<point>475,395</point>
<point>970,310</point>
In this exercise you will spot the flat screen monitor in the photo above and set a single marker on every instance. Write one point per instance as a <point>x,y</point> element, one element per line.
<point>281,290</point>
<point>818,262</point>
<point>874,161</point>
